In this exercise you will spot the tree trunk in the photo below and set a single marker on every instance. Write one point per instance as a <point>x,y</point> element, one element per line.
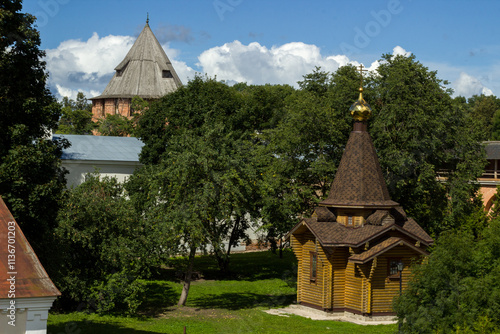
<point>187,278</point>
<point>223,258</point>
<point>282,245</point>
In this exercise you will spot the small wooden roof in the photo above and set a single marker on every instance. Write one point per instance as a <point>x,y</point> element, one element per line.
<point>31,279</point>
<point>333,234</point>
<point>383,247</point>
<point>146,71</point>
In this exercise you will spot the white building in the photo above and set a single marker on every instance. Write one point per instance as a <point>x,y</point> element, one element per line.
<point>110,156</point>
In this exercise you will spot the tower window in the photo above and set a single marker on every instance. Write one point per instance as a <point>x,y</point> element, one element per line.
<point>119,73</point>
<point>166,74</point>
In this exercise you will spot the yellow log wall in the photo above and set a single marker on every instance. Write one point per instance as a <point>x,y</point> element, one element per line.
<point>353,288</point>
<point>319,292</point>
<point>383,289</point>
<point>339,263</point>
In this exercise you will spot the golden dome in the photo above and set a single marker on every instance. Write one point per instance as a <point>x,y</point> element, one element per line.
<point>360,110</point>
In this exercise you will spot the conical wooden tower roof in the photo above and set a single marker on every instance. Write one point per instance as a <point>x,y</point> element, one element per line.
<point>359,181</point>
<point>146,71</point>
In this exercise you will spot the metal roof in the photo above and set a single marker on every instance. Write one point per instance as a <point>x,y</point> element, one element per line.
<point>101,148</point>
<point>492,150</point>
<point>146,71</point>
<point>31,279</point>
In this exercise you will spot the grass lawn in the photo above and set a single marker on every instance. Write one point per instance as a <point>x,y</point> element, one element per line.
<point>234,304</point>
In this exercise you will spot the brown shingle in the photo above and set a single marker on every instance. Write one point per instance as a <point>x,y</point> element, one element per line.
<point>333,234</point>
<point>381,248</point>
<point>412,227</point>
<point>324,214</point>
<point>359,180</point>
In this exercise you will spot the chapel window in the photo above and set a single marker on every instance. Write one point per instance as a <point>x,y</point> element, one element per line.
<point>313,266</point>
<point>393,267</point>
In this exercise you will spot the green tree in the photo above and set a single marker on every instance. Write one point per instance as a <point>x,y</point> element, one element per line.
<point>424,144</point>
<point>495,127</point>
<point>76,116</point>
<point>456,290</point>
<point>299,156</point>
<point>115,125</point>
<point>483,109</point>
<point>199,176</point>
<point>31,179</point>
<point>106,248</point>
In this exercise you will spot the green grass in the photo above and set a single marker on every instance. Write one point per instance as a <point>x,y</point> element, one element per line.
<point>234,304</point>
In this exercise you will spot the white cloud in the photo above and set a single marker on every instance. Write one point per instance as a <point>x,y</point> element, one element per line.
<point>399,51</point>
<point>467,85</point>
<point>257,64</point>
<point>88,66</point>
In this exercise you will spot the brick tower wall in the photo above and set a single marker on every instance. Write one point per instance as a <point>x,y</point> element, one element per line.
<point>103,107</point>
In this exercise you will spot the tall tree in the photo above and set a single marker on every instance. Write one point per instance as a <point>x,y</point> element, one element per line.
<point>31,180</point>
<point>425,147</point>
<point>456,290</point>
<point>105,247</point>
<point>483,108</point>
<point>300,155</point>
<point>199,174</point>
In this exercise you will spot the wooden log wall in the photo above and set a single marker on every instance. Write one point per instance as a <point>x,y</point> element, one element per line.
<point>319,292</point>
<point>353,288</point>
<point>339,263</point>
<point>384,289</point>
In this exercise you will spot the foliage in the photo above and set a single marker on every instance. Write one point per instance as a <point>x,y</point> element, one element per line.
<point>31,178</point>
<point>263,106</point>
<point>76,116</point>
<point>107,247</point>
<point>483,108</point>
<point>199,174</point>
<point>316,82</point>
<point>457,289</point>
<point>116,125</point>
<point>426,150</point>
<point>495,127</point>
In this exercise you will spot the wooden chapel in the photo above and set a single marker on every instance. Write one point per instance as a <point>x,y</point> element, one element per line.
<point>349,250</point>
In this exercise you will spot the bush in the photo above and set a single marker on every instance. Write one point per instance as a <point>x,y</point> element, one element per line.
<point>107,248</point>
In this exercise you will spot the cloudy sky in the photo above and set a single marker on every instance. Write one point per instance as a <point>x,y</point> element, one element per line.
<point>270,41</point>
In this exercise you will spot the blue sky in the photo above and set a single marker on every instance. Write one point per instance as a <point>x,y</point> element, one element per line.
<point>270,41</point>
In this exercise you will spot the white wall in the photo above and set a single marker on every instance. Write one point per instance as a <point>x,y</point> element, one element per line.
<point>31,315</point>
<point>79,168</point>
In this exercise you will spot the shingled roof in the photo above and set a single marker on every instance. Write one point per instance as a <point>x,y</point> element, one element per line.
<point>381,248</point>
<point>359,181</point>
<point>31,279</point>
<point>333,234</point>
<point>146,71</point>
